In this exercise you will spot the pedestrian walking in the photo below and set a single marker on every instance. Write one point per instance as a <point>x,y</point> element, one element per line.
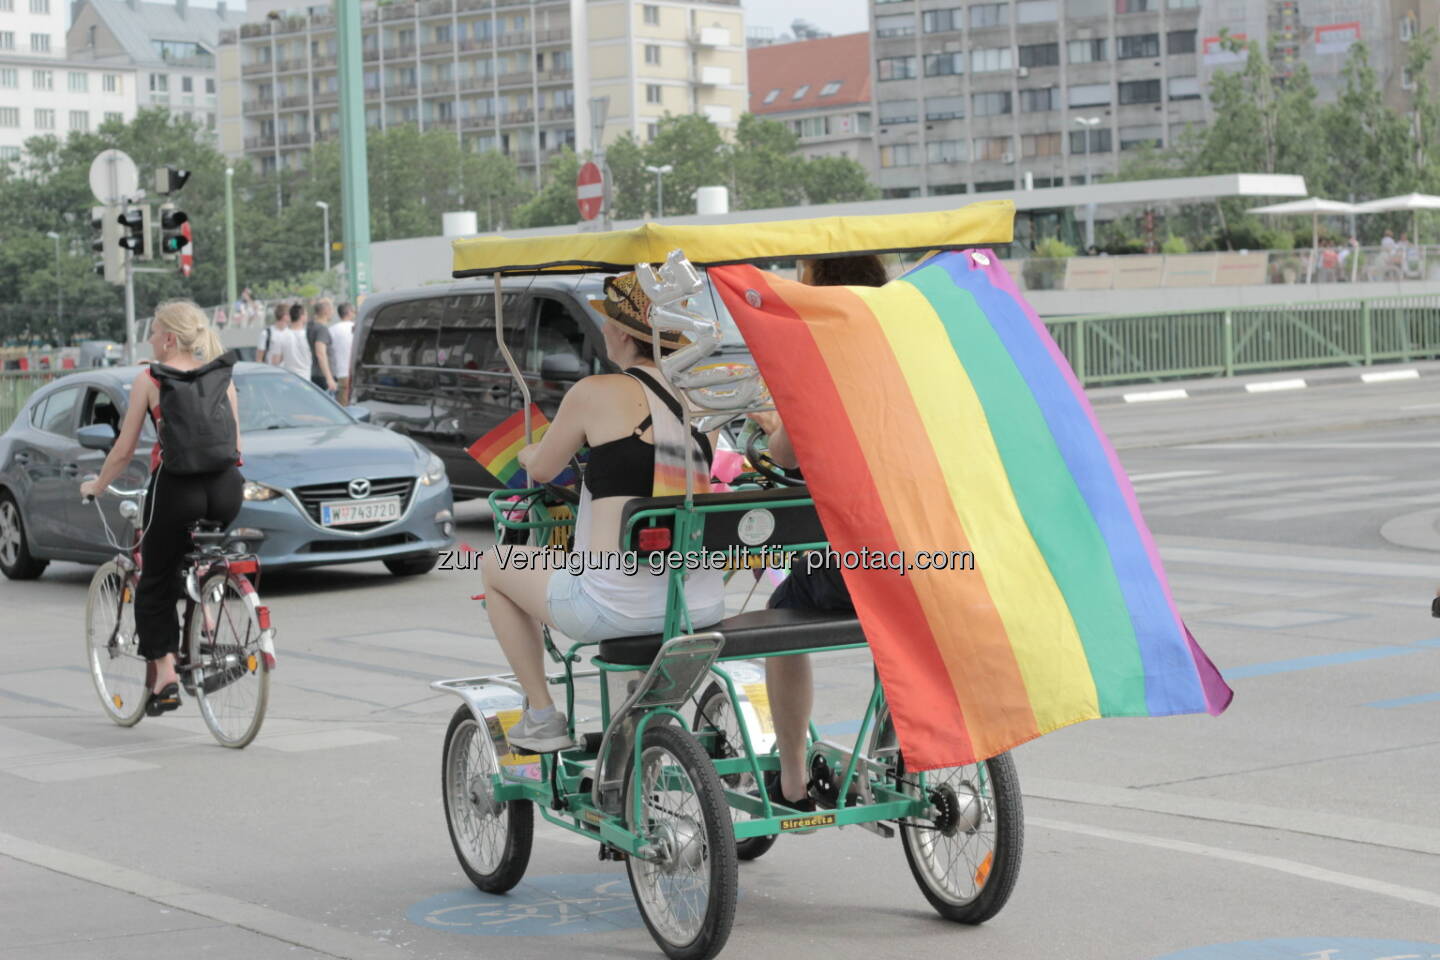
<point>293,346</point>
<point>267,349</point>
<point>317,333</point>
<point>342,339</point>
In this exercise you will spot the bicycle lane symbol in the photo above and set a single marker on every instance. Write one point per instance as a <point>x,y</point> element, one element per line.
<point>541,906</point>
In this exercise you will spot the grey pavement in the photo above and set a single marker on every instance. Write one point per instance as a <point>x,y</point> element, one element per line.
<point>1298,529</point>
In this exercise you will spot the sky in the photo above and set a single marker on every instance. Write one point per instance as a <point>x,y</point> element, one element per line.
<point>832,16</point>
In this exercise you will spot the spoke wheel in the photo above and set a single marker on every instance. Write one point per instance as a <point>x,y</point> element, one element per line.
<point>16,561</point>
<point>716,714</point>
<point>230,676</point>
<point>966,855</point>
<point>492,840</point>
<point>686,887</point>
<point>112,648</point>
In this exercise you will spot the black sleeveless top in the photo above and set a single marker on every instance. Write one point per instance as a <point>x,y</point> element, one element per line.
<point>626,467</point>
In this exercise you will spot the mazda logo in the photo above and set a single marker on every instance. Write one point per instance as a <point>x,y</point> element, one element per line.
<point>359,488</point>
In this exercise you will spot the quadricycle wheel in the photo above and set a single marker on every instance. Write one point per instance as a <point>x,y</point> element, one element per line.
<point>686,883</point>
<point>229,675</point>
<point>966,855</point>
<point>112,648</point>
<point>715,714</point>
<point>492,839</point>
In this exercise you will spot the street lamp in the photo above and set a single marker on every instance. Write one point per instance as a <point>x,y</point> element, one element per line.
<point>231,292</point>
<point>660,186</point>
<point>325,209</point>
<point>1088,124</point>
<point>59,301</point>
<point>599,112</point>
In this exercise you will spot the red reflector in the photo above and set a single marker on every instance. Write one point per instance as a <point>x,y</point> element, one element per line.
<point>263,615</point>
<point>243,566</point>
<point>655,538</point>
<point>269,660</point>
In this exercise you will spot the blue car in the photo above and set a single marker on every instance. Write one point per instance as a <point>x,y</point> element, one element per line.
<point>324,486</point>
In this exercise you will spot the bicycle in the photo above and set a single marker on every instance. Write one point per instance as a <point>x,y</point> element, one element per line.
<point>228,647</point>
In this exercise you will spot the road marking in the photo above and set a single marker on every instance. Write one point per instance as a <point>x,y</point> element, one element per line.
<point>1291,564</point>
<point>1325,660</point>
<point>1405,701</point>
<point>1381,376</point>
<point>1331,507</point>
<point>1147,477</point>
<point>1421,406</point>
<point>1293,867</point>
<point>1269,386</point>
<point>202,903</point>
<point>1373,445</point>
<point>1147,396</point>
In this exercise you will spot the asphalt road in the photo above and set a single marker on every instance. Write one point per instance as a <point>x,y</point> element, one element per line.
<point>1299,533</point>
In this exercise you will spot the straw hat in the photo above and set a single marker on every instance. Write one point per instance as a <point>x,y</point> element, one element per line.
<point>626,303</point>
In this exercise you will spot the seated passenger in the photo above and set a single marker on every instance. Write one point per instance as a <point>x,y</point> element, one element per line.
<point>624,419</point>
<point>788,680</point>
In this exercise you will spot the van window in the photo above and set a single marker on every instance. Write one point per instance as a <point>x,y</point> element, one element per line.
<point>403,336</point>
<point>467,336</point>
<point>556,331</point>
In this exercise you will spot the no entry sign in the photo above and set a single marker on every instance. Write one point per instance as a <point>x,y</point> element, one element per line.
<point>589,191</point>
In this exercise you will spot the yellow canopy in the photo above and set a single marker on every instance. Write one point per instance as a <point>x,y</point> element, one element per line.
<point>986,222</point>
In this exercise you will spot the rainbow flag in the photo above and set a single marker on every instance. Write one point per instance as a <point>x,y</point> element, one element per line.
<point>497,450</point>
<point>937,414</point>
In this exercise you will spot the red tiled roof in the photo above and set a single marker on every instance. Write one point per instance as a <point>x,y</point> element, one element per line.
<point>788,67</point>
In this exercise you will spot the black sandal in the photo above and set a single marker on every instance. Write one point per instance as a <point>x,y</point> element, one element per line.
<point>163,702</point>
<point>777,796</point>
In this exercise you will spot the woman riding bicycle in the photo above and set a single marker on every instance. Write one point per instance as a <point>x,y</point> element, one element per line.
<point>187,360</point>
<point>624,419</point>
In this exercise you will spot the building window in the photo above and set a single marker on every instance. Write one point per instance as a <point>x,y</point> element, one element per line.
<point>187,85</point>
<point>652,54</point>
<point>993,149</point>
<point>40,6</point>
<point>1184,88</point>
<point>1099,141</point>
<point>1149,135</point>
<point>80,120</point>
<point>652,130</point>
<point>990,59</point>
<point>942,21</point>
<point>652,14</point>
<point>1407,28</point>
<point>1407,79</point>
<point>1136,6</point>
<point>895,25</point>
<point>944,108</point>
<point>770,97</point>
<point>110,83</point>
<point>831,88</point>
<point>9,116</point>
<point>79,82</point>
<point>1180,41</point>
<point>1037,11</point>
<point>1139,91</point>
<point>114,116</point>
<point>159,83</point>
<point>895,68</point>
<point>1137,46</point>
<point>9,153</point>
<point>989,15</point>
<point>993,104</point>
<point>653,93</point>
<point>946,151</point>
<point>812,127</point>
<point>39,43</point>
<point>7,39</point>
<point>7,6</point>
<point>1039,101</point>
<point>944,64</point>
<point>1040,145</point>
<point>897,155</point>
<point>42,80</point>
<point>800,93</point>
<point>210,85</point>
<point>1183,4</point>
<point>1040,55</point>
<point>9,78</point>
<point>899,111</point>
<point>1089,94</point>
<point>1087,51</point>
<point>44,119</point>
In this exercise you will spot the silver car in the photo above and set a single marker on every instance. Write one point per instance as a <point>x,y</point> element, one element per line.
<point>324,486</point>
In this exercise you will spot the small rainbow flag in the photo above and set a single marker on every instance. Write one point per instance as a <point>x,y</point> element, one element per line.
<point>937,414</point>
<point>498,450</point>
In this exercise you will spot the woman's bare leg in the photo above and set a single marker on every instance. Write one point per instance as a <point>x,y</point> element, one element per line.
<point>515,602</point>
<point>791,689</point>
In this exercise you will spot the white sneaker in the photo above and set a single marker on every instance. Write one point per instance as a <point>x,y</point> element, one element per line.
<point>540,736</point>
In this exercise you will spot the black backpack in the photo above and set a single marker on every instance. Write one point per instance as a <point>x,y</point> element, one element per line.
<point>197,427</point>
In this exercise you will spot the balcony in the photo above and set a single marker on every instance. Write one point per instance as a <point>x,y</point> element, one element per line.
<point>711,37</point>
<point>482,82</point>
<point>439,86</point>
<point>398,11</point>
<point>290,66</point>
<point>327,96</point>
<point>301,138</point>
<point>322,21</point>
<point>471,44</point>
<point>369,16</point>
<point>484,121</point>
<point>523,158</point>
<point>511,3</point>
<point>290,25</point>
<point>251,30</point>
<point>437,8</point>
<point>400,92</point>
<point>298,100</point>
<point>229,36</point>
<point>322,61</point>
<point>400,51</point>
<point>444,49</point>
<point>514,38</point>
<point>557,76</point>
<point>371,53</point>
<point>260,143</point>
<point>517,117</point>
<point>257,106</point>
<point>330,134</point>
<point>710,76</point>
<point>516,79</point>
<point>560,35</point>
<point>468,5</point>
<point>262,66</point>
<point>557,114</point>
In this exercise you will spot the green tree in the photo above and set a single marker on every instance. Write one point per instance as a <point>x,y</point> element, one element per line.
<point>555,204</point>
<point>767,168</point>
<point>631,188</point>
<point>692,145</point>
<point>836,180</point>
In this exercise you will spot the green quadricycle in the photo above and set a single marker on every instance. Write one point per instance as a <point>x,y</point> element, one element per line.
<point>669,780</point>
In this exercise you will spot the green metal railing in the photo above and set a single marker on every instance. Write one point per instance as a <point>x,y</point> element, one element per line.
<point>1221,343</point>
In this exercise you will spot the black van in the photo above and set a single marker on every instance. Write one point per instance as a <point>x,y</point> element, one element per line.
<point>426,363</point>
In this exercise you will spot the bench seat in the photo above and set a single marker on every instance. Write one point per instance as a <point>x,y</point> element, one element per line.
<point>757,633</point>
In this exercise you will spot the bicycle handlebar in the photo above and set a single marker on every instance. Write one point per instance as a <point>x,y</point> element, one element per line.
<point>113,490</point>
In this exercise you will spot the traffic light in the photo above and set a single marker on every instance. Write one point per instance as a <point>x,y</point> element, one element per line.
<point>111,264</point>
<point>169,180</point>
<point>172,238</point>
<point>135,224</point>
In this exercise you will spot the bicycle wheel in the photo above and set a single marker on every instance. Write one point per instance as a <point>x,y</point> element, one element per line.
<point>686,889</point>
<point>966,858</point>
<point>715,713</point>
<point>111,646</point>
<point>491,840</point>
<point>230,673</point>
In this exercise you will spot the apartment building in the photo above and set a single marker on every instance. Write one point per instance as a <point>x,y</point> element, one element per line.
<point>41,92</point>
<point>821,90</point>
<point>975,96</point>
<point>509,75</point>
<point>170,45</point>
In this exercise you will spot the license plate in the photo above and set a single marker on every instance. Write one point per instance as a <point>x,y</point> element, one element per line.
<point>338,513</point>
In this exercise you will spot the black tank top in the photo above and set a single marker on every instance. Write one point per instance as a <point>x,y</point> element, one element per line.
<point>626,467</point>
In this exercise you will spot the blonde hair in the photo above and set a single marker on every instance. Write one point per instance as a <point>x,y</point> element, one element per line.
<point>191,328</point>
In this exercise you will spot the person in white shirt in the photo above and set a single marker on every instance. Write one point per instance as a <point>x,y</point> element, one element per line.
<point>289,348</point>
<point>342,338</point>
<point>264,347</point>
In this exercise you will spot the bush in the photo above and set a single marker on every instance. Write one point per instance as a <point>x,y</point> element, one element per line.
<point>1053,248</point>
<point>1174,244</point>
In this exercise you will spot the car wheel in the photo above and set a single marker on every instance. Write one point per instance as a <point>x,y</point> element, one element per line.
<point>16,561</point>
<point>412,566</point>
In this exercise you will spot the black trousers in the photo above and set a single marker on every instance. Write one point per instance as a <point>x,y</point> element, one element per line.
<point>172,504</point>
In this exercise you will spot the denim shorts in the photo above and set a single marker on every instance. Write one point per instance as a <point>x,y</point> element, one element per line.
<point>577,615</point>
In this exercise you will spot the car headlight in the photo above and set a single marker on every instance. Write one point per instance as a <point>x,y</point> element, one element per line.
<point>434,471</point>
<point>258,491</point>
